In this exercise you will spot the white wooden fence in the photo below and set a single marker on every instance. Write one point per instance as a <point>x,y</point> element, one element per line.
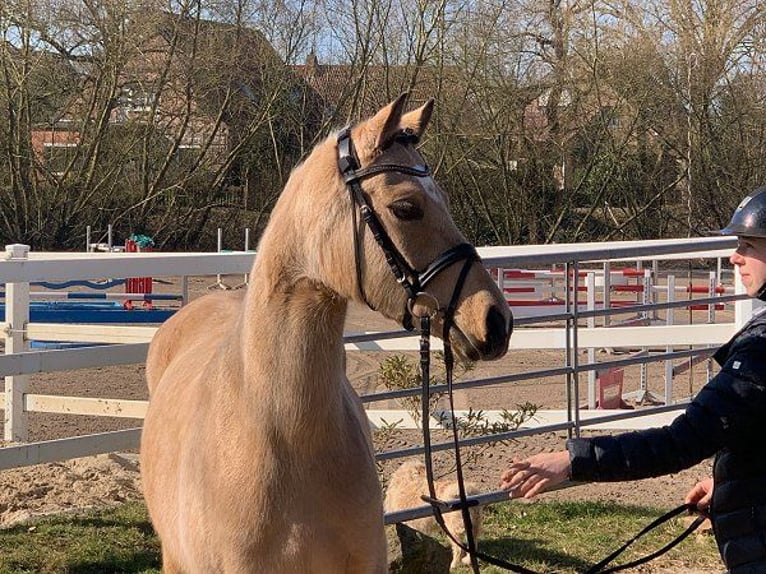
<point>128,344</point>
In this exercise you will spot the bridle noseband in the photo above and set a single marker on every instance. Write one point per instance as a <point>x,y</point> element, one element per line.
<point>412,281</point>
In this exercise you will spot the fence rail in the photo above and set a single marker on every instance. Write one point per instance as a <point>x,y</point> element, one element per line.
<point>128,344</point>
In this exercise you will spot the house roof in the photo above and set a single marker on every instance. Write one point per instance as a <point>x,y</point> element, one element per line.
<point>351,91</point>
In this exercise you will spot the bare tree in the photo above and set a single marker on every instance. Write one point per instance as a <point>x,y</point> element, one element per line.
<point>170,117</point>
<point>708,51</point>
<point>557,120</point>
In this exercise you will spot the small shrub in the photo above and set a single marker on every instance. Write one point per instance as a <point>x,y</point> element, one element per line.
<point>399,372</point>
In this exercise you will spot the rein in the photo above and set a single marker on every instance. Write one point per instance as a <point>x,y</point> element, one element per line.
<point>414,282</point>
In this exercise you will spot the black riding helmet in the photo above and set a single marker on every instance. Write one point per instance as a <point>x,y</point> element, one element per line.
<point>749,220</point>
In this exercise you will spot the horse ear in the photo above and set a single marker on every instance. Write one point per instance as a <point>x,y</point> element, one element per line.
<point>386,122</point>
<point>417,120</point>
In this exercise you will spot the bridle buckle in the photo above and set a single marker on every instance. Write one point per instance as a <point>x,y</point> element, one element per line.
<point>422,305</point>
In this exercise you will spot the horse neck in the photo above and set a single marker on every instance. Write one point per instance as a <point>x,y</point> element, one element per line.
<point>293,334</point>
<point>293,354</point>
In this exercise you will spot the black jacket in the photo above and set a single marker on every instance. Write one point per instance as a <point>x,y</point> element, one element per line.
<point>726,418</point>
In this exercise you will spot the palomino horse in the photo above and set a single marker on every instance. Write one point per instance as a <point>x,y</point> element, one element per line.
<point>256,455</point>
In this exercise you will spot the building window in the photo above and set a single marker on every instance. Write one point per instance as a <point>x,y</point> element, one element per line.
<point>135,101</point>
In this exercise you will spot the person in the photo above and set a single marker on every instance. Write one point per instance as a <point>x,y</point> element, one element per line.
<point>726,419</point>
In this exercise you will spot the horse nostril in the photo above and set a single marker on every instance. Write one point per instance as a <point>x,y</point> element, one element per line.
<point>498,329</point>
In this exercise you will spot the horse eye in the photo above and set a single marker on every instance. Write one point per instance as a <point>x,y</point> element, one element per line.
<point>406,210</point>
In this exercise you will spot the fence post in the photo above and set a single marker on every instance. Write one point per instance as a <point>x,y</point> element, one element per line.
<point>646,299</point>
<point>669,320</point>
<point>654,295</point>
<point>711,292</point>
<point>571,280</point>
<point>219,249</point>
<point>246,277</point>
<point>590,282</point>
<point>712,286</point>
<point>184,290</point>
<point>16,319</point>
<point>607,291</point>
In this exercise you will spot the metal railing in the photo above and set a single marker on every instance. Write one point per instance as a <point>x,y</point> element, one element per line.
<point>128,344</point>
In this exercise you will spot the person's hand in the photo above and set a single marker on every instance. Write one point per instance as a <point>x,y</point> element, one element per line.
<point>701,494</point>
<point>528,478</point>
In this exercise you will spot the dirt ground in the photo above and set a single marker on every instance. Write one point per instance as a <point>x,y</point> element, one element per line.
<point>108,479</point>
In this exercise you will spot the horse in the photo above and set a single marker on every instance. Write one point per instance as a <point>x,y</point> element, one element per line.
<point>256,454</point>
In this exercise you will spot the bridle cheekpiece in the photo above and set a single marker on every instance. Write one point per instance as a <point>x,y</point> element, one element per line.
<point>414,283</point>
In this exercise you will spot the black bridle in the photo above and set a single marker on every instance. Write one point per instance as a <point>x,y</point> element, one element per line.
<point>414,282</point>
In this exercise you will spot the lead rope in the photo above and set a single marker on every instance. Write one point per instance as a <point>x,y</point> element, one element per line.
<point>464,504</point>
<point>600,567</point>
<point>449,362</point>
<point>436,504</point>
<point>439,505</point>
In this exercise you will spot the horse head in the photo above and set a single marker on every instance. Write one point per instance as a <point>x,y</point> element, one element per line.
<point>410,258</point>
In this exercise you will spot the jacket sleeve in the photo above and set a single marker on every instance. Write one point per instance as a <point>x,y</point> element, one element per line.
<point>729,409</point>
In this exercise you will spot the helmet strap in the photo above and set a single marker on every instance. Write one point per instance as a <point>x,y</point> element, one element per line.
<point>761,292</point>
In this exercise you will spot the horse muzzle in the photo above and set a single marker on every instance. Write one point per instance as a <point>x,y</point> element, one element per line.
<point>491,344</point>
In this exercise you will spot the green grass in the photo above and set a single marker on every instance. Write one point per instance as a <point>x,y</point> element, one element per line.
<point>117,540</point>
<point>568,537</point>
<point>564,537</point>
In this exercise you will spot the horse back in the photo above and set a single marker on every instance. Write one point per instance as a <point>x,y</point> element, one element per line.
<point>201,323</point>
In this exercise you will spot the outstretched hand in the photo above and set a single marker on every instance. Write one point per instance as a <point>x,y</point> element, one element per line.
<point>528,478</point>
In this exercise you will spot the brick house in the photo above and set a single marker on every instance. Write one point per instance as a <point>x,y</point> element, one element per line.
<point>203,107</point>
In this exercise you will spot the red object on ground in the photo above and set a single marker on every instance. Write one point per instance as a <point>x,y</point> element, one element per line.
<point>609,385</point>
